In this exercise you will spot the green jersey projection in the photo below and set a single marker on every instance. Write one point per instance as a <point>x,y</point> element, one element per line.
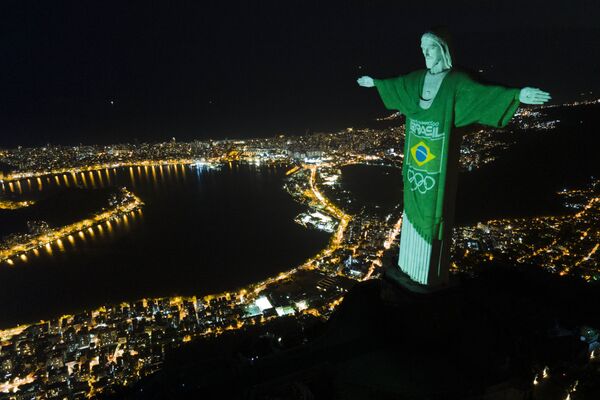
<point>459,101</point>
<point>436,100</point>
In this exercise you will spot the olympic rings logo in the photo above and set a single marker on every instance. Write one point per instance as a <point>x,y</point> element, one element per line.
<point>420,182</point>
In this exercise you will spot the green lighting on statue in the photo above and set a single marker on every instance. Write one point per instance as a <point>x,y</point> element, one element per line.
<point>436,100</point>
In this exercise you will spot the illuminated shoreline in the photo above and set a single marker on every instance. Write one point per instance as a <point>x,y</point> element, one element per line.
<point>15,177</point>
<point>46,239</point>
<point>15,205</point>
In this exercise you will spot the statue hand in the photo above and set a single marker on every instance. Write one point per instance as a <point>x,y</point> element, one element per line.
<point>365,81</point>
<point>533,96</point>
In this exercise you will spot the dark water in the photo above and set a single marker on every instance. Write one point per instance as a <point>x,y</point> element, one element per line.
<point>200,232</point>
<point>523,181</point>
<point>376,188</point>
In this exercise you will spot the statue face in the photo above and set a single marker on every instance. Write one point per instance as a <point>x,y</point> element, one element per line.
<point>431,52</point>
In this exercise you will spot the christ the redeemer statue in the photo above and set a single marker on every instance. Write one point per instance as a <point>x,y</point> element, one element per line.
<point>434,101</point>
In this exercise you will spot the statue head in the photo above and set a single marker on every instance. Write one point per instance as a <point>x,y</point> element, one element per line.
<point>436,52</point>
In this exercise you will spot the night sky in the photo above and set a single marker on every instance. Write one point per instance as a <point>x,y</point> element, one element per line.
<point>111,72</point>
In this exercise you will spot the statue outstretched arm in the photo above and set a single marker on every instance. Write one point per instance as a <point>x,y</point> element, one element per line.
<point>392,91</point>
<point>490,105</point>
<point>365,81</point>
<point>529,95</point>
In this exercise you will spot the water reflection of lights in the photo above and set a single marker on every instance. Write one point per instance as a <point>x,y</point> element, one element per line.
<point>90,232</point>
<point>154,180</point>
<point>92,179</point>
<point>144,175</point>
<point>103,177</point>
<point>67,178</point>
<point>100,178</point>
<point>131,176</point>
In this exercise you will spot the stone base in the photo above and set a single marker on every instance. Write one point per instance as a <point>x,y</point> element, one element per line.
<point>397,285</point>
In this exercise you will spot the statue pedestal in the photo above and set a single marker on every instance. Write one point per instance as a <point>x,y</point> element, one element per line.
<point>397,285</point>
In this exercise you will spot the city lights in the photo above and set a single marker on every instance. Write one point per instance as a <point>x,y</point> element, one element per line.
<point>129,340</point>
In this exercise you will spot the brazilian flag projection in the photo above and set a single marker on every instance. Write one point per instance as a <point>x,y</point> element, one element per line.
<point>460,101</point>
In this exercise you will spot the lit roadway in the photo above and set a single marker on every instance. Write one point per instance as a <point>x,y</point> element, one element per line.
<point>343,218</point>
<point>75,170</point>
<point>335,242</point>
<point>56,235</point>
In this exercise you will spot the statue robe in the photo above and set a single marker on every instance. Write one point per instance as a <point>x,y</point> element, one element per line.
<point>429,160</point>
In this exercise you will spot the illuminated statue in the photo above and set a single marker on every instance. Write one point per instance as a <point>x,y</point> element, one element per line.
<point>435,100</point>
